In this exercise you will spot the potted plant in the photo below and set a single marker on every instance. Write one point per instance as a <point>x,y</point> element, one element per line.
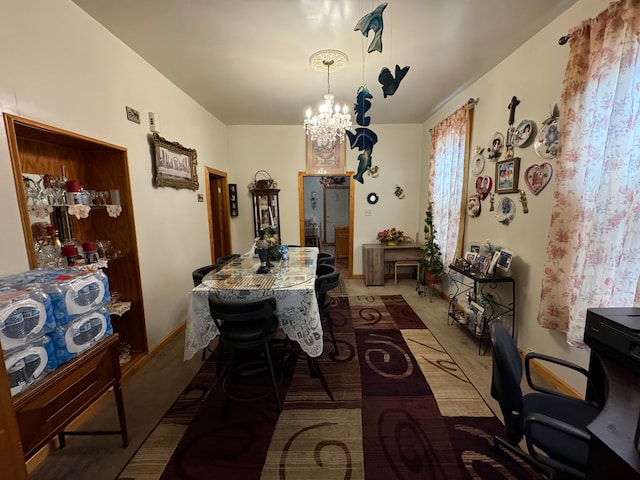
<point>431,266</point>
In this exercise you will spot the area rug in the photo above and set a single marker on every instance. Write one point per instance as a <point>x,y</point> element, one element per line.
<point>392,405</point>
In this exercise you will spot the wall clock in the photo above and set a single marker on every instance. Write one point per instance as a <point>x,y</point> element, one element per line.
<point>372,198</point>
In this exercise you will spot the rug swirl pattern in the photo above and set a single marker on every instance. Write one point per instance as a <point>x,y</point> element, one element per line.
<point>402,409</point>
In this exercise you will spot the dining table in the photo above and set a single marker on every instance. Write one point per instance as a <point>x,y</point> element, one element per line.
<point>291,282</point>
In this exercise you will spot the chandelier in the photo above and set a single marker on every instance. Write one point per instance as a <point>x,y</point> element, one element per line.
<point>332,121</point>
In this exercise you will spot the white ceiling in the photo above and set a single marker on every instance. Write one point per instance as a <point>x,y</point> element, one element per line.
<point>247,61</point>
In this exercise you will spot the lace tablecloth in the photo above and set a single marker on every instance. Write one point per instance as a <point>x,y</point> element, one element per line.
<point>291,282</point>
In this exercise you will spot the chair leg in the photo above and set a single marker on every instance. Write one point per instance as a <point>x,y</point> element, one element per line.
<point>333,337</point>
<point>267,352</point>
<point>220,350</point>
<point>232,367</point>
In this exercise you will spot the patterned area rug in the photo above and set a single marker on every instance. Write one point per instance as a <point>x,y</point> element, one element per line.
<point>401,409</point>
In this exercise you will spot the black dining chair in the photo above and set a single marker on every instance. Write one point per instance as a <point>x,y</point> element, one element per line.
<point>553,425</point>
<point>326,258</point>
<point>199,273</point>
<point>246,325</point>
<point>328,278</point>
<point>226,258</point>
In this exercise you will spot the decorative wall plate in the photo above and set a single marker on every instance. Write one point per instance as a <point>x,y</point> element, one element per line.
<point>524,133</point>
<point>477,164</point>
<point>372,198</point>
<point>547,144</point>
<point>506,210</point>
<point>496,144</point>
<point>484,186</point>
<point>474,205</point>
<point>538,176</point>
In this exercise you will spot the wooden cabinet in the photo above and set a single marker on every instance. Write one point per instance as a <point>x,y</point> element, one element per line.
<point>342,241</point>
<point>45,408</point>
<point>39,149</point>
<point>266,210</point>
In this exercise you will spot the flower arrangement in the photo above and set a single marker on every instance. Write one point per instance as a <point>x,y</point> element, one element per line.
<point>390,235</point>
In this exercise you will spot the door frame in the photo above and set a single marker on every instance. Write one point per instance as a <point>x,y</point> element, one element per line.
<point>301,176</point>
<point>218,217</point>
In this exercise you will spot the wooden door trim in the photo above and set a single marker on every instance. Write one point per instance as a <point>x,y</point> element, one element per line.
<point>349,174</point>
<point>226,208</point>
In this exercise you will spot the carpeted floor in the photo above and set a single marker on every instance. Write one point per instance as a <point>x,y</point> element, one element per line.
<point>402,409</point>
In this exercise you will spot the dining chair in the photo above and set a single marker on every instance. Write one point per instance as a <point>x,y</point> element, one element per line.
<point>326,258</point>
<point>246,325</point>
<point>328,278</point>
<point>199,273</point>
<point>553,425</point>
<point>225,258</point>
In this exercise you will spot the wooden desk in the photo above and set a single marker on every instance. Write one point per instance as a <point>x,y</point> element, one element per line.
<point>375,255</point>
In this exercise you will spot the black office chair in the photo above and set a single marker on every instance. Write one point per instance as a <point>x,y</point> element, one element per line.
<point>328,278</point>
<point>225,258</point>
<point>553,425</point>
<point>199,273</point>
<point>246,325</point>
<point>326,258</point>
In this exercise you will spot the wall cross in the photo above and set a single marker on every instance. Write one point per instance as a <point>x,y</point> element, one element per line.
<point>512,109</point>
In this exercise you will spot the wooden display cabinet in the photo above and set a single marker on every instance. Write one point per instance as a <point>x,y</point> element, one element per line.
<point>266,210</point>
<point>39,149</point>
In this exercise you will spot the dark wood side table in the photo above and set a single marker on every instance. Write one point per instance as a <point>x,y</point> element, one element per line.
<point>46,408</point>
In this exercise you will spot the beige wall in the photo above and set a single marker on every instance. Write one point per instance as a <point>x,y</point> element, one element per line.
<point>281,151</point>
<point>62,68</point>
<point>534,74</point>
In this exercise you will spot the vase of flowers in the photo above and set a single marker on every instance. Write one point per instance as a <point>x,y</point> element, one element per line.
<point>391,236</point>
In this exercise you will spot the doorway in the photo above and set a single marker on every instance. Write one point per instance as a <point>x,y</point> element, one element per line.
<point>327,202</point>
<point>219,213</point>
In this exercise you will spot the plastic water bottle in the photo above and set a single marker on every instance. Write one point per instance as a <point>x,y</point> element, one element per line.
<point>284,253</point>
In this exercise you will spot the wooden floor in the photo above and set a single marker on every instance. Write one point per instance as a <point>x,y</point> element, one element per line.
<point>150,391</point>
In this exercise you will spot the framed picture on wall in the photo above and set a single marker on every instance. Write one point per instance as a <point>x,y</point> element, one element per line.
<point>233,199</point>
<point>507,172</point>
<point>325,160</point>
<point>174,165</point>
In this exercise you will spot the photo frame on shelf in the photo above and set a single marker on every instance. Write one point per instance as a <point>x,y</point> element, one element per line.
<point>507,172</point>
<point>474,247</point>
<point>481,264</point>
<point>470,256</point>
<point>504,260</point>
<point>233,199</point>
<point>174,164</point>
<point>325,160</point>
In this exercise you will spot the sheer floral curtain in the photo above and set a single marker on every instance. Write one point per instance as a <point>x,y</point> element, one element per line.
<point>447,179</point>
<point>593,250</point>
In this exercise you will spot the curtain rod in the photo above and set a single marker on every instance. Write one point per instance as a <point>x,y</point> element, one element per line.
<point>471,103</point>
<point>564,39</point>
